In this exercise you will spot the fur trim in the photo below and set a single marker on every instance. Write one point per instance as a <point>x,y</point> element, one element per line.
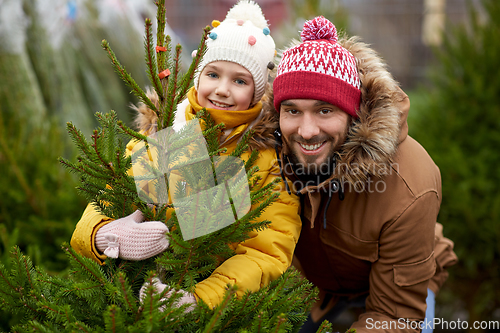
<point>146,119</point>
<point>373,138</point>
<point>263,137</point>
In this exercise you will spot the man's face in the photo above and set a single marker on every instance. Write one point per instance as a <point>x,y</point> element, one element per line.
<point>312,132</point>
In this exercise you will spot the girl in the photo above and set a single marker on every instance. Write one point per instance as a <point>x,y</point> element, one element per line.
<point>231,84</point>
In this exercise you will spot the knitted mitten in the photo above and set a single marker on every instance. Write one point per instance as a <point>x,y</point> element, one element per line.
<point>130,239</point>
<point>186,298</point>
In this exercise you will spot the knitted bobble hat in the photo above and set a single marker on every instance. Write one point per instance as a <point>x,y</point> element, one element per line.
<point>243,38</point>
<point>318,68</point>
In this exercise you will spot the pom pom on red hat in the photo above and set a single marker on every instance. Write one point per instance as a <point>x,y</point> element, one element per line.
<point>319,28</point>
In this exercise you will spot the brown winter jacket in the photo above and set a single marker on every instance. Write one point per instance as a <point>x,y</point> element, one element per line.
<point>381,238</point>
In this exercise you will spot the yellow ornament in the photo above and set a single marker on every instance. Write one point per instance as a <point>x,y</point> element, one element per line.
<point>215,23</point>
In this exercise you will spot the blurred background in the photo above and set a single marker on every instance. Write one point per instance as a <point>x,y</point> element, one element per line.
<point>445,54</point>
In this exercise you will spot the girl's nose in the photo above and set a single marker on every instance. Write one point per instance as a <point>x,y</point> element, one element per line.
<point>222,89</point>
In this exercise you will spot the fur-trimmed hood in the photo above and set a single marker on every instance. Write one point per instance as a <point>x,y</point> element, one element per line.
<point>374,137</point>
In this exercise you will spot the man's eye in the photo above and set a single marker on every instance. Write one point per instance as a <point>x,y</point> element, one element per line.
<point>325,111</point>
<point>292,111</point>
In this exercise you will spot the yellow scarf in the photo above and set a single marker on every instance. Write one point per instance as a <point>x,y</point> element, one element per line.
<point>231,119</point>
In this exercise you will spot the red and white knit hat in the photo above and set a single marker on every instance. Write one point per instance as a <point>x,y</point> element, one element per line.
<point>318,68</point>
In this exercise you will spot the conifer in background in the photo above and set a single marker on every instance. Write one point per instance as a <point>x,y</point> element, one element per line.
<point>53,71</point>
<point>458,123</point>
<point>49,74</point>
<point>36,194</point>
<point>96,298</point>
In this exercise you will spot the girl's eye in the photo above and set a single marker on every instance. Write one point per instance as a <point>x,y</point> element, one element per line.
<point>240,81</point>
<point>212,75</point>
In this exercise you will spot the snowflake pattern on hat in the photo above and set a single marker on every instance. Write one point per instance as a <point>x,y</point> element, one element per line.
<point>320,53</point>
<point>324,58</point>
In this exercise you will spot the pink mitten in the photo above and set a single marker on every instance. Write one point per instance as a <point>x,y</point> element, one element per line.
<point>186,298</point>
<point>130,239</point>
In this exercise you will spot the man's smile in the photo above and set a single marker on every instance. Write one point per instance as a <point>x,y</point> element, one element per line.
<point>314,148</point>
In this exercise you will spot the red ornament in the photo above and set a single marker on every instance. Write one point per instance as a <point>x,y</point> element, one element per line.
<point>164,74</point>
<point>161,49</point>
<point>252,40</point>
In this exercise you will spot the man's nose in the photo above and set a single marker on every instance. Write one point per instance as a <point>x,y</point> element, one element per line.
<point>308,127</point>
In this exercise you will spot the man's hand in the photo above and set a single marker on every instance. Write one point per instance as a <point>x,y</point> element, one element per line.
<point>129,239</point>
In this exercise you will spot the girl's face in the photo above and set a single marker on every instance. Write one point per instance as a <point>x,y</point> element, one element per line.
<point>225,85</point>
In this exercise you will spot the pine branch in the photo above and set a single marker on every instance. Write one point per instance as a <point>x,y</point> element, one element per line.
<point>135,135</point>
<point>126,292</point>
<point>211,131</point>
<point>86,168</point>
<point>243,144</point>
<point>160,34</point>
<point>189,76</point>
<point>105,164</point>
<point>125,76</point>
<point>265,191</point>
<point>171,91</point>
<point>21,294</point>
<point>79,140</point>
<point>231,291</point>
<point>325,327</point>
<point>151,62</point>
<point>251,160</point>
<point>89,266</point>
<point>112,322</point>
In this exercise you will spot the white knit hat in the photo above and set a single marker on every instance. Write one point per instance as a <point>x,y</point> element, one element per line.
<point>243,38</point>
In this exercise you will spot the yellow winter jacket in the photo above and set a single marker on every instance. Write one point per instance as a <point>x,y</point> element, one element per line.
<point>260,259</point>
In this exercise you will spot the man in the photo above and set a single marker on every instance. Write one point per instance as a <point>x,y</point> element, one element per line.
<point>370,193</point>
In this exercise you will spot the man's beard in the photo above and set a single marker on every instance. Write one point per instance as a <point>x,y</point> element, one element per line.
<point>306,167</point>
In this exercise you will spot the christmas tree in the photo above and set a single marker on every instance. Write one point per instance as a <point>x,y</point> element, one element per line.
<point>206,200</point>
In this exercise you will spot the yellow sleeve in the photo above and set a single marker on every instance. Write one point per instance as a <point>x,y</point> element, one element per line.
<point>267,253</point>
<point>83,239</point>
